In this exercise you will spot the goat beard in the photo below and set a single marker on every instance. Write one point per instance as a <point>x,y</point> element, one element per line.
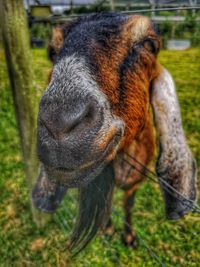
<point>95,200</point>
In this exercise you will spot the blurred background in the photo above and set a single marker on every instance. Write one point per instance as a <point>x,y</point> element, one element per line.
<point>174,24</point>
<point>29,238</point>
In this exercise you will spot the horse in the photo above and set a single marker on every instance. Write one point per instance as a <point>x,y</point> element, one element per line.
<point>106,98</point>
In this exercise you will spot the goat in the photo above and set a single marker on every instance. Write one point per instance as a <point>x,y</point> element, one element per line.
<point>96,108</point>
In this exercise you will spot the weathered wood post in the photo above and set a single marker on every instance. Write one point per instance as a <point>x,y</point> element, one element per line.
<point>112,5</point>
<point>17,50</point>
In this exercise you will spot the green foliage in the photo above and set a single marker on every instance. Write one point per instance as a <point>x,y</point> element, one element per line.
<point>165,29</point>
<point>189,29</point>
<point>40,31</point>
<point>22,244</point>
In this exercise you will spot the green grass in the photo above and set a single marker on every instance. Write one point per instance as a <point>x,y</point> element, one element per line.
<point>22,244</point>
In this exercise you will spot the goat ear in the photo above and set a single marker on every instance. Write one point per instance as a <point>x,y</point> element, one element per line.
<point>59,33</point>
<point>56,43</point>
<point>94,209</point>
<point>175,163</point>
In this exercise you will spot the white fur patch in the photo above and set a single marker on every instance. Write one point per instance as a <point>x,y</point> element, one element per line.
<point>175,161</point>
<point>78,74</point>
<point>139,27</point>
<point>166,108</point>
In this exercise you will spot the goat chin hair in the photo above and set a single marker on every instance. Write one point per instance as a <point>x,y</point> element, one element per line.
<point>94,209</point>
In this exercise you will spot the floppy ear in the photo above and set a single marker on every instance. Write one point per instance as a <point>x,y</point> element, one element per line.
<point>46,193</point>
<point>175,163</point>
<point>59,33</point>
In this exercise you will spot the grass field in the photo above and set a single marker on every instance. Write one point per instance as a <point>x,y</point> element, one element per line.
<point>22,244</point>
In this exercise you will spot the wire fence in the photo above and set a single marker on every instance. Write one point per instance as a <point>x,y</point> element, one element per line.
<point>170,25</point>
<point>63,18</point>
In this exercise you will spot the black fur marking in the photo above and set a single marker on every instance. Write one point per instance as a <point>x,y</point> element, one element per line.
<point>98,28</point>
<point>156,27</point>
<point>129,62</point>
<point>52,55</point>
<point>152,46</point>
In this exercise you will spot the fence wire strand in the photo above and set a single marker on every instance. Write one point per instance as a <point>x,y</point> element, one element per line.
<point>159,9</point>
<point>170,189</point>
<point>128,12</point>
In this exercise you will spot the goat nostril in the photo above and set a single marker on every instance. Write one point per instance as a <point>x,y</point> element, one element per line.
<point>44,125</point>
<point>60,124</point>
<point>82,118</point>
<point>71,127</point>
<point>89,116</point>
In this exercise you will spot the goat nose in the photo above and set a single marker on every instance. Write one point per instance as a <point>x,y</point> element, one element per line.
<point>61,123</point>
<point>71,120</point>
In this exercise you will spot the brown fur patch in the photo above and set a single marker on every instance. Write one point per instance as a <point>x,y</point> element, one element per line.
<point>56,43</point>
<point>136,79</point>
<point>143,149</point>
<point>57,38</point>
<point>105,140</point>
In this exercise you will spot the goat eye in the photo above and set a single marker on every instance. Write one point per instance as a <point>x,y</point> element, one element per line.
<point>150,45</point>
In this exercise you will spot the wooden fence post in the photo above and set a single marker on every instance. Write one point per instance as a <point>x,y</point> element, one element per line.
<point>18,56</point>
